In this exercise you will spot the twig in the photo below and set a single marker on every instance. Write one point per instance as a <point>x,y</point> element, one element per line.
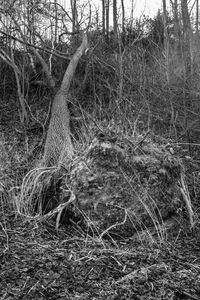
<point>142,140</point>
<point>114,225</point>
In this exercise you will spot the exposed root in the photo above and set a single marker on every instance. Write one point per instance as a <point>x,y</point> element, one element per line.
<point>58,210</point>
<point>32,188</point>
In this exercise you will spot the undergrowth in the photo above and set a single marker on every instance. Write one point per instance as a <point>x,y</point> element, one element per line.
<point>125,92</point>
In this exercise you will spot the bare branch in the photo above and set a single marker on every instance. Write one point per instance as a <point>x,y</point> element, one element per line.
<point>55,53</point>
<point>45,67</point>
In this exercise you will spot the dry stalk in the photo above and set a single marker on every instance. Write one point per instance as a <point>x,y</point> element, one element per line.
<point>157,224</point>
<point>186,197</point>
<point>114,225</point>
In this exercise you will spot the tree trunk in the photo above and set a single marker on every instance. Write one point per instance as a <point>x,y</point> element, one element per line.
<point>197,16</point>
<point>18,76</point>
<point>58,147</point>
<point>177,28</point>
<point>187,35</point>
<point>107,17</point>
<point>123,16</point>
<point>166,40</point>
<point>187,60</point>
<point>103,17</point>
<point>115,19</point>
<point>30,21</point>
<point>56,23</point>
<point>74,16</point>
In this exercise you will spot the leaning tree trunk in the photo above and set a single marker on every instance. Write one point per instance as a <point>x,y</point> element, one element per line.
<point>58,147</point>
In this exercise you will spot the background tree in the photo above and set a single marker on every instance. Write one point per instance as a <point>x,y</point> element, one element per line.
<point>103,16</point>
<point>197,16</point>
<point>107,17</point>
<point>187,36</point>
<point>187,57</point>
<point>115,25</point>
<point>176,18</point>
<point>74,16</point>
<point>123,16</point>
<point>56,23</point>
<point>166,40</point>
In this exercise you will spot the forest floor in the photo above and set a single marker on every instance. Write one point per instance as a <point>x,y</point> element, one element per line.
<point>36,262</point>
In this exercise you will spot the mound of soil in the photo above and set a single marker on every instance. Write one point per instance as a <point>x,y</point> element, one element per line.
<point>125,185</point>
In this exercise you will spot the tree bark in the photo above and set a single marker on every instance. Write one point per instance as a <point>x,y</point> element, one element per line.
<point>197,16</point>
<point>74,16</point>
<point>103,17</point>
<point>58,147</point>
<point>123,16</point>
<point>56,23</point>
<point>166,40</point>
<point>107,17</point>
<point>187,60</point>
<point>177,28</point>
<point>115,19</point>
<point>187,35</point>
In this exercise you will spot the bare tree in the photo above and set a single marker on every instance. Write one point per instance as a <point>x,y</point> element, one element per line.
<point>20,26</point>
<point>10,60</point>
<point>8,25</point>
